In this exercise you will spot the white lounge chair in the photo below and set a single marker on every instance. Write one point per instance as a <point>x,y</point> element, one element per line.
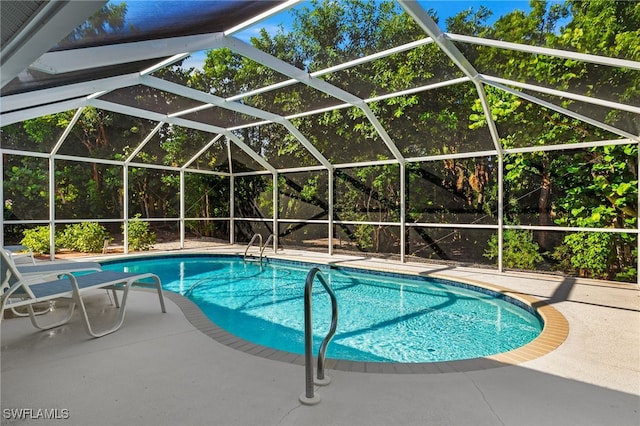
<point>20,252</point>
<point>19,290</point>
<point>43,268</point>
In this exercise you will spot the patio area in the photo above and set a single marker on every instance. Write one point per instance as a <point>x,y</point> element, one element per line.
<point>164,369</point>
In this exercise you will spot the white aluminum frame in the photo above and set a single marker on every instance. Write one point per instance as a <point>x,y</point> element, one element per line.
<point>16,108</point>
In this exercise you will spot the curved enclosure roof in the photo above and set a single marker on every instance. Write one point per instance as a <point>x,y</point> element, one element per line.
<point>143,59</point>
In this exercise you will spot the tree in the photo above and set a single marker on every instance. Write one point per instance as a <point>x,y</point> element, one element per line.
<point>110,18</point>
<point>592,188</point>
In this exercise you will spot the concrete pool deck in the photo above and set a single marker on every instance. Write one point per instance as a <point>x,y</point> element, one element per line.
<point>162,369</point>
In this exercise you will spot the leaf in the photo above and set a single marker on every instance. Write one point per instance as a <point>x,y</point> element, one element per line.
<point>623,188</point>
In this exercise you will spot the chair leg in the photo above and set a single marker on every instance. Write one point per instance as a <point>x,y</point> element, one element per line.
<point>36,324</point>
<point>85,318</point>
<point>42,312</point>
<point>160,294</point>
<point>158,286</point>
<point>115,297</point>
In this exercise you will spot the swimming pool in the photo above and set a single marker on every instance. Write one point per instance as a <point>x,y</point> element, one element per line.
<point>383,317</point>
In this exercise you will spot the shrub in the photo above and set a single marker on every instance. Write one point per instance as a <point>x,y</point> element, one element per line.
<point>590,254</point>
<point>140,237</point>
<point>519,249</point>
<point>85,237</point>
<point>37,239</point>
<point>364,236</point>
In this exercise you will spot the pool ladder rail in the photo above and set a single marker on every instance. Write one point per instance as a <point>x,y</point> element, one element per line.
<point>308,397</point>
<point>261,246</point>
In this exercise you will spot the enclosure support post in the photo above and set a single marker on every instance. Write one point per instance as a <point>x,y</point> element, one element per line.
<point>125,207</point>
<point>232,184</point>
<point>232,215</point>
<point>500,211</point>
<point>275,212</point>
<point>330,172</point>
<point>403,201</point>
<point>181,208</point>
<point>2,197</point>
<point>52,208</point>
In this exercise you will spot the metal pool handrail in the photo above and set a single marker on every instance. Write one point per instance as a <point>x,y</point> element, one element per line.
<point>308,397</point>
<point>251,243</point>
<point>261,246</point>
<point>269,239</point>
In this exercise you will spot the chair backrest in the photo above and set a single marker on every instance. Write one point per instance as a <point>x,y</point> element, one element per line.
<point>20,252</point>
<point>8,270</point>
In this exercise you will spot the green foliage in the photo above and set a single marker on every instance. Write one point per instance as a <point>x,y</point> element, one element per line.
<point>41,129</point>
<point>368,194</point>
<point>310,189</point>
<point>629,273</point>
<point>519,249</point>
<point>602,193</point>
<point>603,190</point>
<point>37,239</point>
<point>85,237</point>
<point>364,236</point>
<point>140,236</point>
<point>25,187</point>
<point>587,253</point>
<point>599,255</point>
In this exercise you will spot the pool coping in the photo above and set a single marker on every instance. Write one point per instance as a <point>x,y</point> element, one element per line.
<point>553,334</point>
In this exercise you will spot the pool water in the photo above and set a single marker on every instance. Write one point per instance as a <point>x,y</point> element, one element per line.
<point>382,318</point>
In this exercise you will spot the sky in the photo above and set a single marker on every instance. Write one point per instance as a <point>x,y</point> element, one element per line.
<point>448,8</point>
<point>444,9</point>
<point>157,11</point>
<point>151,13</point>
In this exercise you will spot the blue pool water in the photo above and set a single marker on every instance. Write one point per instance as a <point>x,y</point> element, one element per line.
<point>382,317</point>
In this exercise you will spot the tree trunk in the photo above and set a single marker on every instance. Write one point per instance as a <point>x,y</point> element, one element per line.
<point>543,207</point>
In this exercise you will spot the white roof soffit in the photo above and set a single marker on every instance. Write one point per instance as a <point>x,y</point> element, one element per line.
<point>102,56</point>
<point>51,23</point>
